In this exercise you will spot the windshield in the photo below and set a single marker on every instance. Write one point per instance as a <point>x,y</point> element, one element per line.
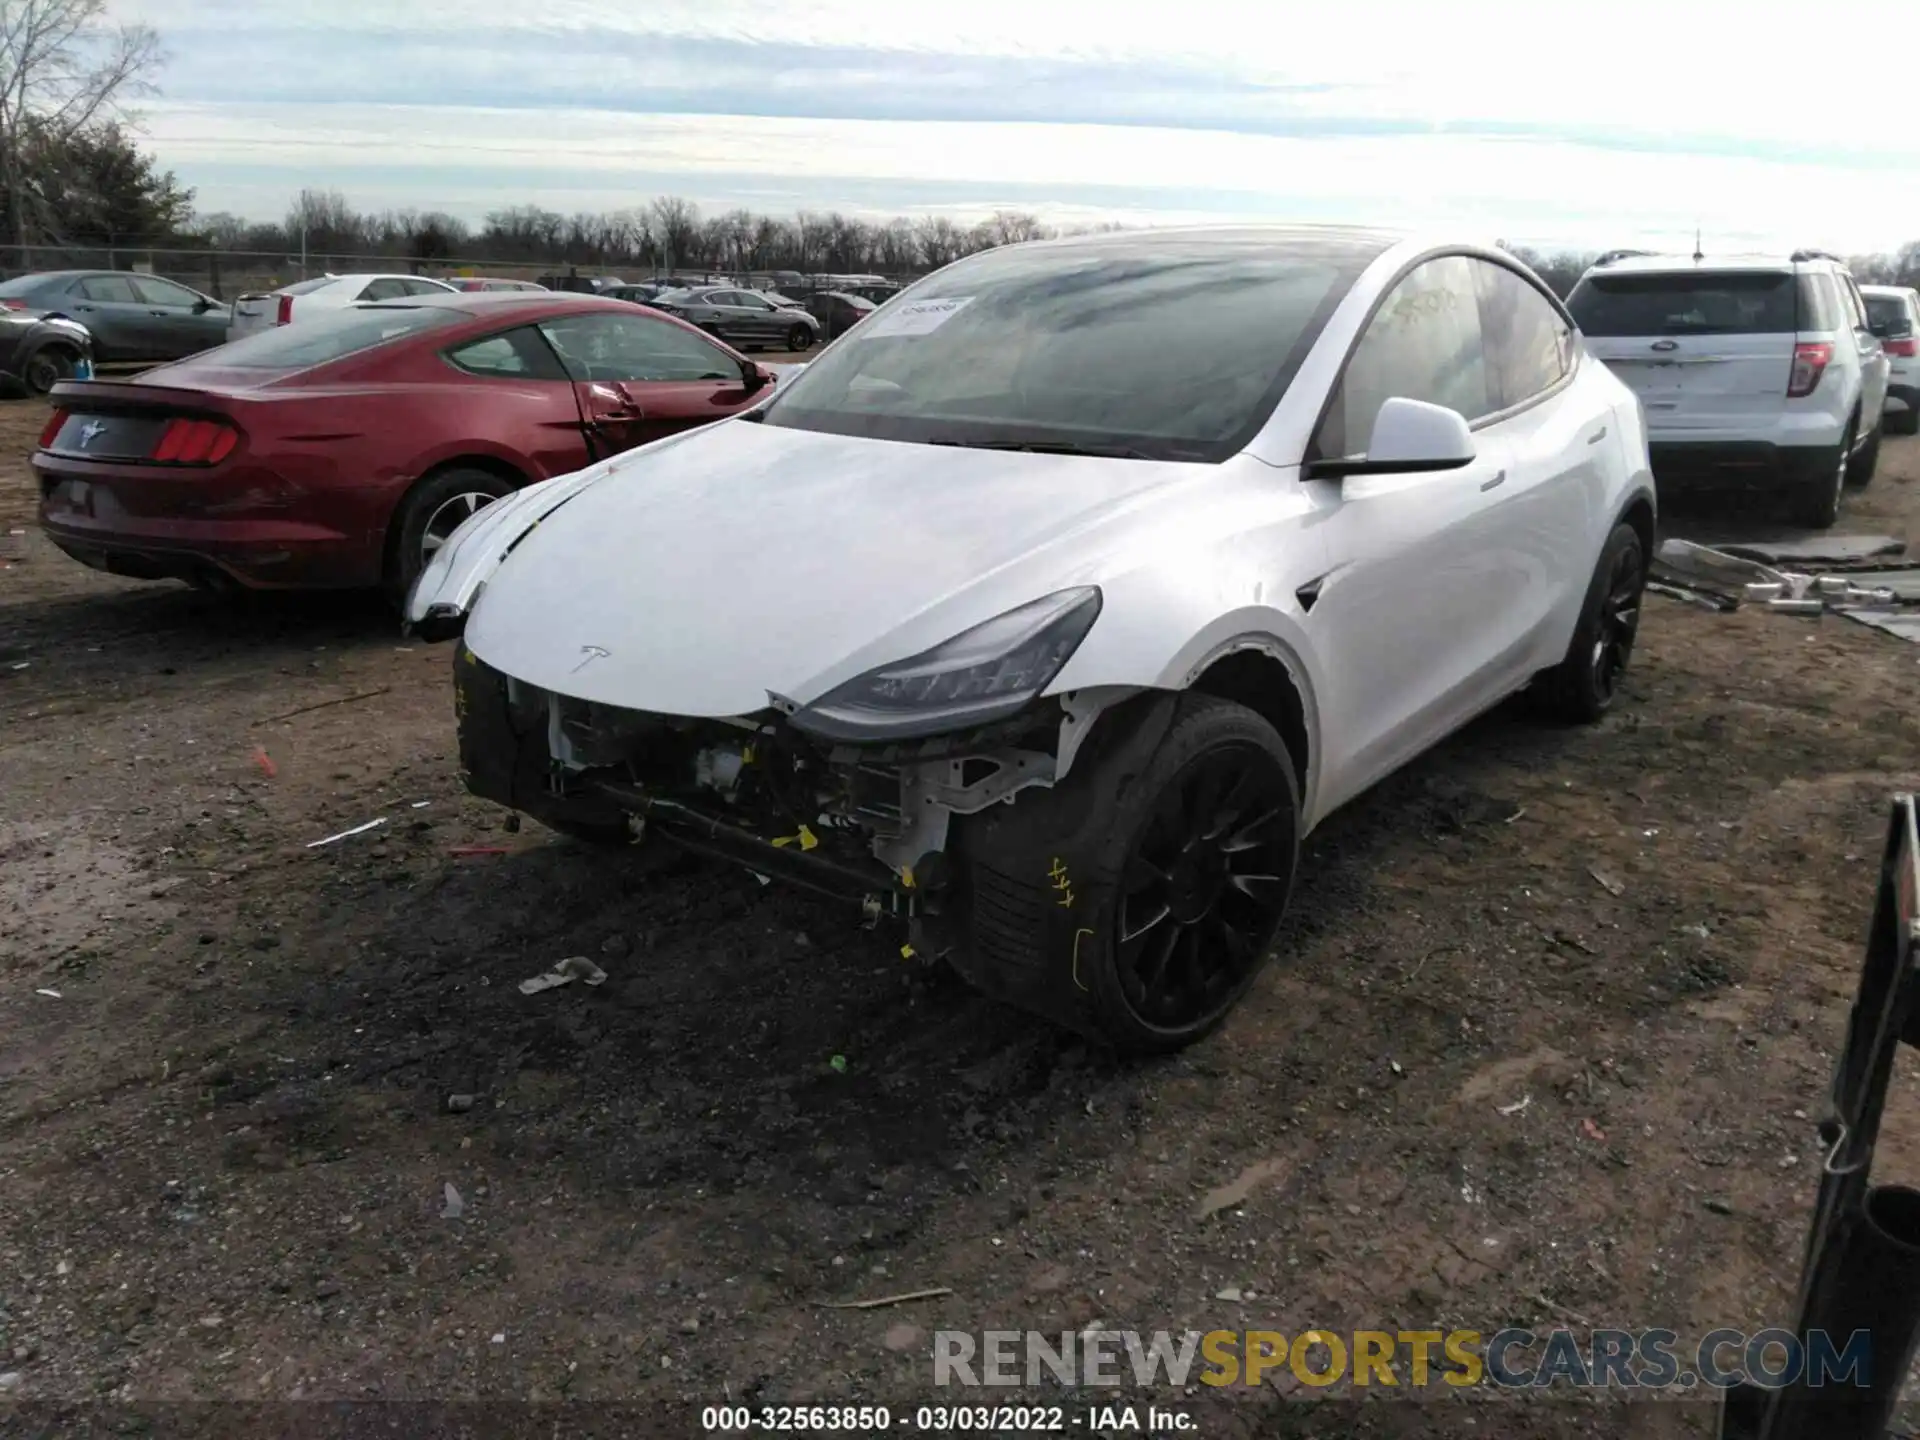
<point>1756,302</point>
<point>1168,347</point>
<point>315,342</point>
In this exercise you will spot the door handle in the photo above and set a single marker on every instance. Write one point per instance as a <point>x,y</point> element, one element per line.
<point>1500,478</point>
<point>1597,436</point>
<point>161,313</point>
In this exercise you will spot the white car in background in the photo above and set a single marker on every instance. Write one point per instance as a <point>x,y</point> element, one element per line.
<point>1054,604</point>
<point>321,295</point>
<point>1895,314</point>
<point>1760,375</point>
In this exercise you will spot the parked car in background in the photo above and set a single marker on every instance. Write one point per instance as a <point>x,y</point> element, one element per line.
<point>472,283</point>
<point>741,317</point>
<point>308,299</point>
<point>1894,313</point>
<point>131,317</point>
<point>578,284</point>
<point>641,294</point>
<point>37,351</point>
<point>1053,611</point>
<point>342,450</point>
<point>1759,375</point>
<point>837,311</point>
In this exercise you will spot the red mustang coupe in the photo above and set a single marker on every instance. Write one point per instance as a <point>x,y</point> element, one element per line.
<point>342,451</point>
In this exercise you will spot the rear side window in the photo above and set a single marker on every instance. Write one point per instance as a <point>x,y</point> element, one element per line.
<point>111,289</point>
<point>1423,343</point>
<point>1757,302</point>
<point>518,355</point>
<point>315,342</point>
<point>1819,303</point>
<point>1529,348</point>
<point>1890,311</point>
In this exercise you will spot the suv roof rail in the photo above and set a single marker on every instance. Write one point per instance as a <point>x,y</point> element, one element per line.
<point>1613,255</point>
<point>1801,256</point>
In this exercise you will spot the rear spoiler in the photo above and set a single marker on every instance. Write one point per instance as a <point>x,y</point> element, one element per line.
<point>126,393</point>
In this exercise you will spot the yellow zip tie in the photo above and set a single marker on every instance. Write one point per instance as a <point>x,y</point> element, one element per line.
<point>906,877</point>
<point>906,952</point>
<point>806,839</point>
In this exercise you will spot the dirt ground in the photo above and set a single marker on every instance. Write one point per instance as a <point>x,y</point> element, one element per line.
<point>1477,1088</point>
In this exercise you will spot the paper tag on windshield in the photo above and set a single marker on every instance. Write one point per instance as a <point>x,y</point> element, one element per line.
<point>921,317</point>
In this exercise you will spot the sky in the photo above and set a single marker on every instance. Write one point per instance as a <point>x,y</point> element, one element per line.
<point>1579,126</point>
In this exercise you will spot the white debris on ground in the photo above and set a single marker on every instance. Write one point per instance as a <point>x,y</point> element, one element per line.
<point>1885,597</point>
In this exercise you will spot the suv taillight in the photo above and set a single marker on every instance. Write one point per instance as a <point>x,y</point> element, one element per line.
<point>52,427</point>
<point>1809,364</point>
<point>1905,348</point>
<point>285,317</point>
<point>195,442</point>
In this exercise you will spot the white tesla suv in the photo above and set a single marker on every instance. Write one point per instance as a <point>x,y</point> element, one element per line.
<point>1050,608</point>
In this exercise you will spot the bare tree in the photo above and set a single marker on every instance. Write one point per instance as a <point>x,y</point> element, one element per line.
<point>676,223</point>
<point>64,67</point>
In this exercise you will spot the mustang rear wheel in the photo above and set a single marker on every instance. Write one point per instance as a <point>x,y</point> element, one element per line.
<point>1137,902</point>
<point>432,511</point>
<point>799,338</point>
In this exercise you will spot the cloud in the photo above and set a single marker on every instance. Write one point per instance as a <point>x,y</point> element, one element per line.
<point>1600,127</point>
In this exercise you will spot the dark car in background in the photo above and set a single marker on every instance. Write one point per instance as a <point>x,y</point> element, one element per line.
<point>342,451</point>
<point>38,351</point>
<point>131,317</point>
<point>641,294</point>
<point>581,284</point>
<point>839,311</point>
<point>741,317</point>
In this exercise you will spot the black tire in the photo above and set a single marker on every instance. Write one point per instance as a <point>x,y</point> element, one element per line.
<point>428,514</point>
<point>1138,901</point>
<point>47,367</point>
<point>1819,502</point>
<point>1860,473</point>
<point>1904,422</point>
<point>1582,687</point>
<point>799,338</point>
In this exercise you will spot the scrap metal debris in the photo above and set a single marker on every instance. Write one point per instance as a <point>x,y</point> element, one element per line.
<point>1723,578</point>
<point>356,830</point>
<point>1516,1107</point>
<point>1823,550</point>
<point>574,967</point>
<point>454,1207</point>
<point>1240,1189</point>
<point>1607,882</point>
<point>932,1293</point>
<point>323,704</point>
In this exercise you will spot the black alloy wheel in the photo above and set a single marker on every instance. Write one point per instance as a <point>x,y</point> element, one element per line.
<point>1204,887</point>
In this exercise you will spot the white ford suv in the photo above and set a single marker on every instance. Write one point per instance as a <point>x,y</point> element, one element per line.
<point>1895,313</point>
<point>1758,375</point>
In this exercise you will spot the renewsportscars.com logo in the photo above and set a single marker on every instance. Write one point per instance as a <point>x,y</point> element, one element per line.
<point>1414,1359</point>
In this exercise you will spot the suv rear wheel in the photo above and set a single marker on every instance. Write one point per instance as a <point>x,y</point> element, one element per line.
<point>1819,504</point>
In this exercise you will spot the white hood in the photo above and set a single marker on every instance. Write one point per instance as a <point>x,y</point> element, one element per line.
<point>696,576</point>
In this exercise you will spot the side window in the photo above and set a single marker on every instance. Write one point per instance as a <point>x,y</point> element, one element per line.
<point>1856,307</point>
<point>421,287</point>
<point>383,290</point>
<point>112,289</point>
<point>163,292</point>
<point>634,347</point>
<point>1819,308</point>
<point>517,354</point>
<point>1423,343</point>
<point>1527,343</point>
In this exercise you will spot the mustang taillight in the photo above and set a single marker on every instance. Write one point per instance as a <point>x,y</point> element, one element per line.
<point>194,442</point>
<point>1809,364</point>
<point>14,305</point>
<point>52,427</point>
<point>285,316</point>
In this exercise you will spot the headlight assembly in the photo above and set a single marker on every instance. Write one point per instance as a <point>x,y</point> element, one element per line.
<point>980,675</point>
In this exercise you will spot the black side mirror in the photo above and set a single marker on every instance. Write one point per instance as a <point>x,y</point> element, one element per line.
<point>202,305</point>
<point>753,377</point>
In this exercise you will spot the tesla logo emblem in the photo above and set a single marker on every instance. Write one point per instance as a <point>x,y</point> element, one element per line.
<point>589,654</point>
<point>1666,345</point>
<point>91,431</point>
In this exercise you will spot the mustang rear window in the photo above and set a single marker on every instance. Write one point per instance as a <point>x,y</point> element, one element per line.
<point>1727,302</point>
<point>307,343</point>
